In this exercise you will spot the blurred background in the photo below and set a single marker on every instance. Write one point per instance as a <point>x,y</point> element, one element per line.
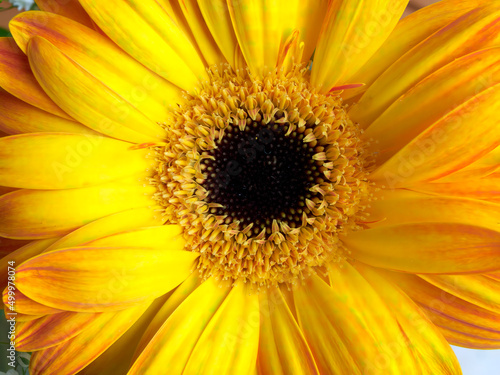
<point>474,362</point>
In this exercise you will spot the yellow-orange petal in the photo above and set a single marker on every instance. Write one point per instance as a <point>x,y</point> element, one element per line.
<point>481,168</point>
<point>427,248</point>
<point>75,207</point>
<point>144,90</point>
<point>8,245</point>
<point>110,278</point>
<point>451,143</point>
<point>467,320</point>
<point>333,318</point>
<point>17,117</point>
<point>431,99</point>
<point>425,208</point>
<point>147,32</point>
<point>17,78</point>
<point>73,355</point>
<point>172,345</point>
<point>68,8</point>
<point>64,160</point>
<point>51,330</point>
<point>87,99</point>
<point>18,256</point>
<point>479,188</point>
<point>25,305</point>
<point>282,346</point>
<point>479,290</point>
<point>352,32</point>
<point>433,353</point>
<point>230,341</point>
<point>409,32</point>
<point>475,30</point>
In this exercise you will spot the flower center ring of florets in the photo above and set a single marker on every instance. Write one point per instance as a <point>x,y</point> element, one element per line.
<point>263,174</point>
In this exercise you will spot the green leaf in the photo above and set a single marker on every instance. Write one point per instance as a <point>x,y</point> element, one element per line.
<point>4,32</point>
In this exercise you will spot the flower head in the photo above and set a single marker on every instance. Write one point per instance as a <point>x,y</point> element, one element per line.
<point>184,189</point>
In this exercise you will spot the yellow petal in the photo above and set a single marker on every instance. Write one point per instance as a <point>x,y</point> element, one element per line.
<point>164,237</point>
<point>116,359</point>
<point>51,330</point>
<point>230,342</point>
<point>31,214</point>
<point>73,355</point>
<point>171,346</point>
<point>259,32</point>
<point>432,98</point>
<point>17,79</point>
<point>218,20</point>
<point>144,90</point>
<point>475,30</point>
<point>67,8</point>
<point>147,32</point>
<point>334,318</point>
<point>479,290</point>
<point>453,142</point>
<point>177,296</point>
<point>478,188</point>
<point>282,346</point>
<point>472,325</point>
<point>64,161</point>
<point>17,117</point>
<point>86,98</point>
<point>109,278</point>
<point>121,221</point>
<point>409,32</point>
<point>210,51</point>
<point>406,206</point>
<point>433,353</point>
<point>351,33</point>
<point>427,248</point>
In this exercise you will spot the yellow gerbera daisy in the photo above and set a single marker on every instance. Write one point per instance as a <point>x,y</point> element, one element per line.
<point>184,193</point>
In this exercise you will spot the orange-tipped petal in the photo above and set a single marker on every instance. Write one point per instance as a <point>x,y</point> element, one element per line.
<point>51,330</point>
<point>431,99</point>
<point>475,30</point>
<point>409,32</point>
<point>17,78</point>
<point>73,355</point>
<point>144,90</point>
<point>451,143</point>
<point>17,117</point>
<point>68,8</point>
<point>86,98</point>
<point>110,279</point>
